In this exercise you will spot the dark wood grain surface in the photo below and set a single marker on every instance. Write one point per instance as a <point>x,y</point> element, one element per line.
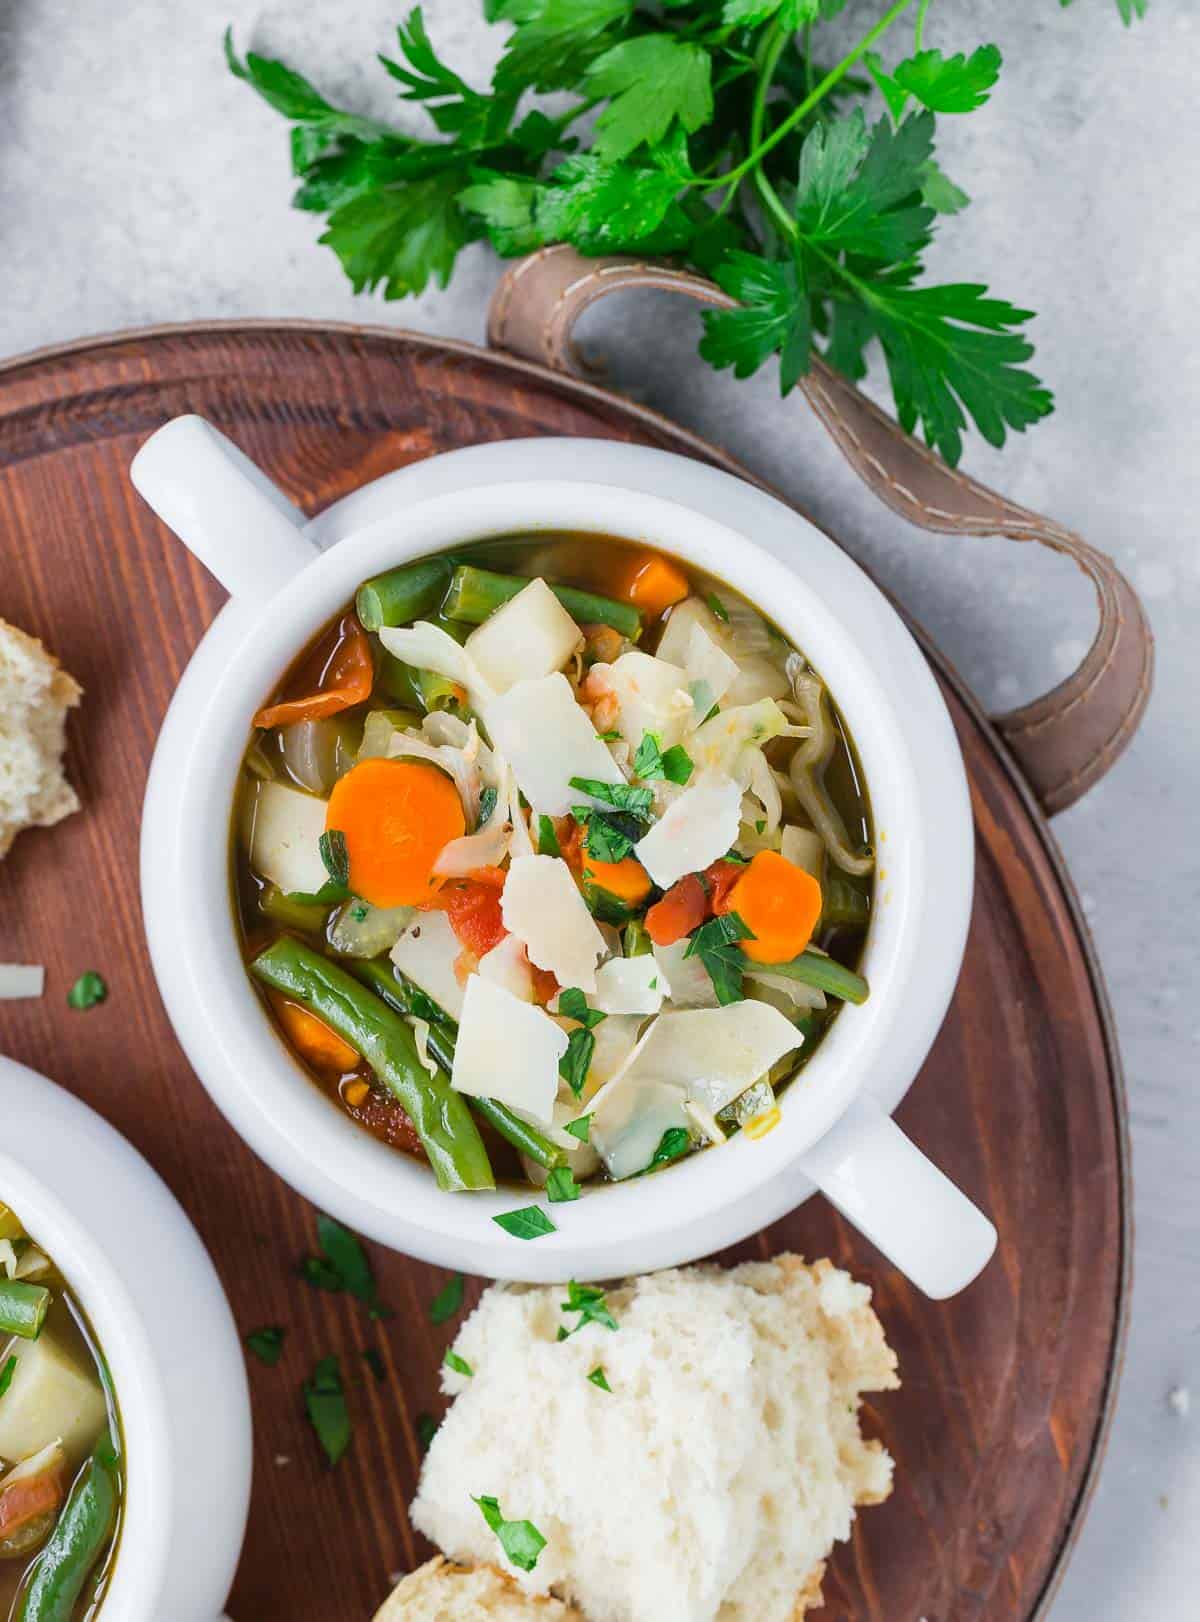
<point>1000,1424</point>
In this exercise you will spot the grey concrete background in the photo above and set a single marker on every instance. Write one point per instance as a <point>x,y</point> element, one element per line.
<point>139,183</point>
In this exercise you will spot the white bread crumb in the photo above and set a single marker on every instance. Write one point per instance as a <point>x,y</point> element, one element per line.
<point>35,695</point>
<point>443,1593</point>
<point>713,1481</point>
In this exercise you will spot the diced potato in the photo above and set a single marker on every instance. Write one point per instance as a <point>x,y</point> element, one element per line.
<point>287,826</point>
<point>51,1394</point>
<point>531,635</point>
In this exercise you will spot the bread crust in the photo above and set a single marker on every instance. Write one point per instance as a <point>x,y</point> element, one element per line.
<point>36,724</point>
<point>438,1592</point>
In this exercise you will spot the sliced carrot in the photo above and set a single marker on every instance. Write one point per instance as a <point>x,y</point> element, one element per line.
<point>337,672</point>
<point>655,584</point>
<point>779,902</point>
<point>682,909</point>
<point>626,879</point>
<point>395,816</point>
<point>312,1038</point>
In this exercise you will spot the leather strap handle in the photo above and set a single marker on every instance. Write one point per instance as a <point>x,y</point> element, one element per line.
<point>1064,741</point>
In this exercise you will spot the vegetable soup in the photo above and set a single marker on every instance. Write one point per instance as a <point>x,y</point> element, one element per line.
<point>552,861</point>
<point>61,1476</point>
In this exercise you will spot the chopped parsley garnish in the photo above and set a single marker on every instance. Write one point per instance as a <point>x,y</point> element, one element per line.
<point>87,991</point>
<point>359,912</point>
<point>7,1372</point>
<point>673,1143</point>
<point>325,1404</point>
<point>611,736</point>
<point>621,796</point>
<point>715,944</point>
<point>487,804</point>
<point>427,1429</point>
<point>374,1361</point>
<point>652,762</point>
<point>447,1301</point>
<point>458,1364</point>
<point>342,1266</point>
<point>332,846</point>
<point>718,607</point>
<point>520,1540</point>
<point>561,1186</point>
<point>590,1302</point>
<point>609,836</point>
<point>547,838</point>
<point>530,1222</point>
<point>266,1344</point>
<point>580,1128</point>
<point>575,1063</point>
<point>598,1377</point>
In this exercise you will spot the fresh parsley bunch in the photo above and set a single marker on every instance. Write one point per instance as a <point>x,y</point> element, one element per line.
<point>722,137</point>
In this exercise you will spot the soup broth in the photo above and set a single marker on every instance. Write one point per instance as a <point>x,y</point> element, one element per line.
<point>61,1469</point>
<point>411,764</point>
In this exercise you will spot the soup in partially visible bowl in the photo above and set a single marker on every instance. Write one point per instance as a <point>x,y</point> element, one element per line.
<point>61,1450</point>
<point>552,861</point>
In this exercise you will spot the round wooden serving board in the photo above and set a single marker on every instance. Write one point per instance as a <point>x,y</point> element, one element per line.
<point>1007,1389</point>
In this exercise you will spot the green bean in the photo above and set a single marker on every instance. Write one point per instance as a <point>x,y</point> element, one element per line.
<point>826,973</point>
<point>439,1114</point>
<point>844,904</point>
<point>406,998</point>
<point>402,595</point>
<point>475,594</point>
<point>636,942</point>
<point>440,693</point>
<point>79,1538</point>
<point>22,1308</point>
<point>395,680</point>
<point>293,911</point>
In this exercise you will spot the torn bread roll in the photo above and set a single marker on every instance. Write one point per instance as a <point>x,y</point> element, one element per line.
<point>35,695</point>
<point>440,1592</point>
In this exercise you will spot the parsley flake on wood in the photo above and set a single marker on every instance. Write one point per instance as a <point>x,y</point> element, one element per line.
<point>427,1429</point>
<point>342,1266</point>
<point>459,1364</point>
<point>266,1344</point>
<point>520,1540</point>
<point>325,1404</point>
<point>529,1222</point>
<point>88,991</point>
<point>448,1300</point>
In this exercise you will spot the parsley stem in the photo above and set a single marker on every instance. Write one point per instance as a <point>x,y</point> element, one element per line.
<point>834,76</point>
<point>770,51</point>
<point>919,26</point>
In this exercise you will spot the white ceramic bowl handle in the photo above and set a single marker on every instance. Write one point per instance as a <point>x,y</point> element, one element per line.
<point>222,507</point>
<point>880,1181</point>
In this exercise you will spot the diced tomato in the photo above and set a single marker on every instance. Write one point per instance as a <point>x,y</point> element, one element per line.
<point>29,1499</point>
<point>473,908</point>
<point>721,878</point>
<point>545,986</point>
<point>682,909</point>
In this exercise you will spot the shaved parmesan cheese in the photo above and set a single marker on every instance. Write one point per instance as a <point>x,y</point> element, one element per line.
<point>283,848</point>
<point>700,826</point>
<point>682,620</point>
<point>688,983</point>
<point>548,739</point>
<point>529,636</point>
<point>652,696</point>
<point>758,678</point>
<point>629,1121</point>
<point>713,1054</point>
<point>428,647</point>
<point>615,1038</point>
<point>706,662</point>
<point>507,1050</point>
<point>19,980</point>
<point>507,965</point>
<point>426,954</point>
<point>487,848</point>
<point>629,985</point>
<point>542,907</point>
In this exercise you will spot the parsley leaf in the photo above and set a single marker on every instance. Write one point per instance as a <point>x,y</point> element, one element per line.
<point>349,1261</point>
<point>652,81</point>
<point>939,192</point>
<point>322,1275</point>
<point>335,856</point>
<point>447,1301</point>
<point>266,1344</point>
<point>609,837</point>
<point>591,1303</point>
<point>622,796</point>
<point>325,1404</point>
<point>715,944</point>
<point>598,1377</point>
<point>520,1540</point>
<point>7,1372</point>
<point>580,1128</point>
<point>399,237</point>
<point>475,119</point>
<point>561,1186</point>
<point>573,1004</point>
<point>292,95</point>
<point>530,1222</point>
<point>652,762</point>
<point>717,607</point>
<point>555,40</point>
<point>547,838</point>
<point>950,84</point>
<point>674,1142</point>
<point>427,1429</point>
<point>89,990</point>
<point>575,1063</point>
<point>487,804</point>
<point>458,1364</point>
<point>775,318</point>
